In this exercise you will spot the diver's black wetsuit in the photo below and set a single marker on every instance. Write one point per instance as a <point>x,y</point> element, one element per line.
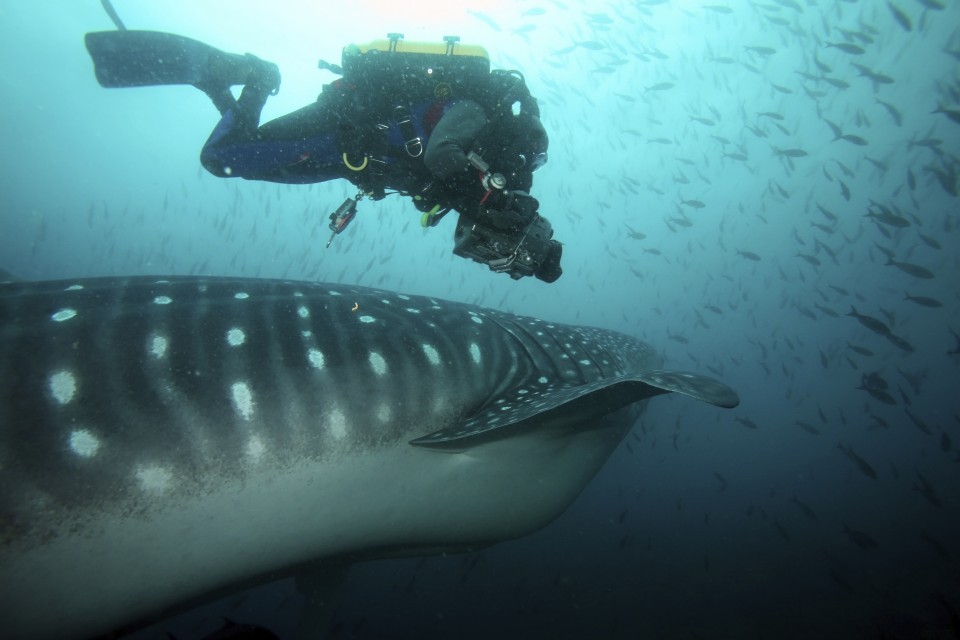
<point>307,145</point>
<point>419,150</point>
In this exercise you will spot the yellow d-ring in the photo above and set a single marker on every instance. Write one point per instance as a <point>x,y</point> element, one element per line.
<point>426,220</point>
<point>362,166</point>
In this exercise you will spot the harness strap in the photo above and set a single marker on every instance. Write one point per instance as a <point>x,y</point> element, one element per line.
<point>413,144</point>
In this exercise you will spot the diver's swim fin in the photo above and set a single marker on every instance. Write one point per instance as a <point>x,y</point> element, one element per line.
<point>147,58</point>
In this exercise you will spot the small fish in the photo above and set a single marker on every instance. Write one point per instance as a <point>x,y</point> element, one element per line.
<point>924,142</point>
<point>827,311</point>
<point>899,342</point>
<point>860,538</point>
<point>696,204</point>
<point>888,217</point>
<point>599,18</point>
<point>781,530</point>
<point>941,550</point>
<point>840,581</point>
<point>861,350</point>
<point>482,17</point>
<point>953,114</point>
<point>790,153</point>
<point>846,47</point>
<point>862,464</point>
<point>924,301</point>
<point>763,51</point>
<point>900,17</point>
<point>911,269</point>
<point>876,386</point>
<point>591,45</point>
<point>634,234</point>
<point>877,326</point>
<point>920,424</point>
<point>855,139</point>
<point>721,480</point>
<point>836,82</point>
<point>535,11</point>
<point>807,511</point>
<point>809,428</point>
<point>660,86</point>
<point>747,422</point>
<point>749,255</point>
<point>808,258</point>
<point>926,490</point>
<point>875,77</point>
<point>893,111</point>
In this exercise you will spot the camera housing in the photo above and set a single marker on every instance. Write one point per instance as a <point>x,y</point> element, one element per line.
<point>529,251</point>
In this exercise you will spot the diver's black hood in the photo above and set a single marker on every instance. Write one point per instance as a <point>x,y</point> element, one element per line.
<point>510,143</point>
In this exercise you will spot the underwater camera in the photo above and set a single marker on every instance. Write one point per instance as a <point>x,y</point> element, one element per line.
<point>529,251</point>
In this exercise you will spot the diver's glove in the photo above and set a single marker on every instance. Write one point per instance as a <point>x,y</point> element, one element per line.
<point>513,211</point>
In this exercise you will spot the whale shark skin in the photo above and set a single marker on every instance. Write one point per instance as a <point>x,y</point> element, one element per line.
<point>166,440</point>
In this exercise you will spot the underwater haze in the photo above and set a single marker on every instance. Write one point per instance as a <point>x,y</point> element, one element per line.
<point>765,191</point>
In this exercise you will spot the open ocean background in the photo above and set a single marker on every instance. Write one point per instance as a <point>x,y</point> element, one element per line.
<point>730,179</point>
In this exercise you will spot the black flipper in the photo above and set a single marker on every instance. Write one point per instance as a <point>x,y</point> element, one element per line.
<point>149,58</point>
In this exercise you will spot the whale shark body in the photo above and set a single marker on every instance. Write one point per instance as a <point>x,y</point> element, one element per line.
<point>166,440</point>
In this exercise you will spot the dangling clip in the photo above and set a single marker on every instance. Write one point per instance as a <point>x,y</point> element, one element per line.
<point>344,214</point>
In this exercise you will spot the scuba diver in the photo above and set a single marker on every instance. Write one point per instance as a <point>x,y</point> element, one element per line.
<point>428,121</point>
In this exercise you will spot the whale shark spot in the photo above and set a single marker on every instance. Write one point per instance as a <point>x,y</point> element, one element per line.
<point>254,448</point>
<point>242,399</point>
<point>431,354</point>
<point>63,386</point>
<point>236,337</point>
<point>154,478</point>
<point>378,363</point>
<point>315,358</point>
<point>337,423</point>
<point>63,315</point>
<point>157,346</point>
<point>84,443</point>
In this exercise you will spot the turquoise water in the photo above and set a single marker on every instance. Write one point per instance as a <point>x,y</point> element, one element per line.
<point>729,181</point>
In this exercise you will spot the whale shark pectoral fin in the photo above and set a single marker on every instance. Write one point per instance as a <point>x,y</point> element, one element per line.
<point>571,405</point>
<point>703,388</point>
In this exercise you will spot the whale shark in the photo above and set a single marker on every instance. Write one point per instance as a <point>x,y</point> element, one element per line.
<point>166,440</point>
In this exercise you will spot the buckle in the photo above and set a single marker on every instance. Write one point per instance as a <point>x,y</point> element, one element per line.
<point>414,147</point>
<point>404,119</point>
